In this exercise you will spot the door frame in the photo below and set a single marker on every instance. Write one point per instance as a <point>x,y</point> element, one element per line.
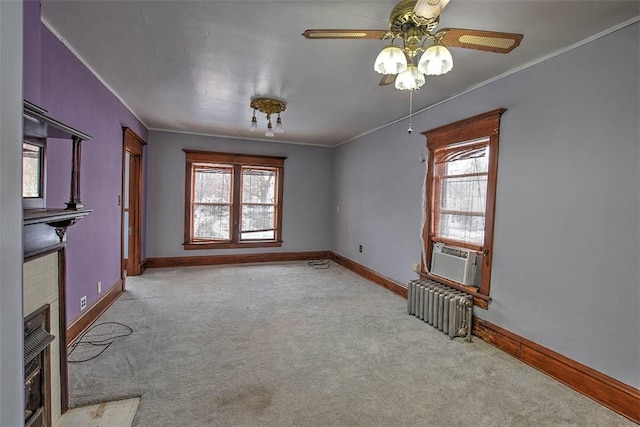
<point>134,145</point>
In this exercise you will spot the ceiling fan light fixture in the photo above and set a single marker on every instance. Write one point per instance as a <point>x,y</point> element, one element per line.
<point>435,61</point>
<point>391,60</point>
<point>410,79</point>
<point>429,9</point>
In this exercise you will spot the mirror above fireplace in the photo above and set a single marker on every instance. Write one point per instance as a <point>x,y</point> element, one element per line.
<point>38,126</point>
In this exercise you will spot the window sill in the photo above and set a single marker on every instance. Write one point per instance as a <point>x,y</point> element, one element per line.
<point>232,245</point>
<point>479,299</point>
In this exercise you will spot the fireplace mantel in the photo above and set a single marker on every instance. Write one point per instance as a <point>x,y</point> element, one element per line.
<point>45,230</point>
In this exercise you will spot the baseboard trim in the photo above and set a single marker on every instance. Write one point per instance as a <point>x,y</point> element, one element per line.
<point>192,261</point>
<point>605,390</point>
<point>369,274</point>
<point>86,318</point>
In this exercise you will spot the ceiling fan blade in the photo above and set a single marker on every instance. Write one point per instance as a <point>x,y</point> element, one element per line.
<point>489,41</point>
<point>387,79</point>
<point>345,34</point>
<point>429,9</point>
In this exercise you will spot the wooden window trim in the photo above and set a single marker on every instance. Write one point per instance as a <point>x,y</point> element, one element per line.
<point>486,125</point>
<point>277,205</point>
<point>238,162</point>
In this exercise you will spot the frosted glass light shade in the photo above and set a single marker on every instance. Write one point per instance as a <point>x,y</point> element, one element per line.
<point>269,133</point>
<point>279,128</point>
<point>391,60</point>
<point>435,61</point>
<point>254,124</point>
<point>410,79</point>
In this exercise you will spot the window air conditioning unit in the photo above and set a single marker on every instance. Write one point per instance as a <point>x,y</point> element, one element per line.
<point>457,264</point>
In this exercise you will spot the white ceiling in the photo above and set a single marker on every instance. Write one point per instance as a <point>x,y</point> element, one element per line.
<point>193,66</point>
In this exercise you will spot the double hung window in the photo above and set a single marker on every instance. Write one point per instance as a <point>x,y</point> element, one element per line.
<point>461,191</point>
<point>232,200</point>
<point>460,175</point>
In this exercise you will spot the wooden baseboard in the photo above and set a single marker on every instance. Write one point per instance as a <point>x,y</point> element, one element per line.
<point>359,269</point>
<point>190,261</point>
<point>605,390</point>
<point>369,274</point>
<point>85,319</point>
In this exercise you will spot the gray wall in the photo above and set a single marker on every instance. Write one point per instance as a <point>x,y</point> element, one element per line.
<point>11,380</point>
<point>378,184</point>
<point>566,251</point>
<point>307,219</point>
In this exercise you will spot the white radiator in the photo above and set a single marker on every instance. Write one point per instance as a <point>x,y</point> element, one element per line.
<point>441,306</point>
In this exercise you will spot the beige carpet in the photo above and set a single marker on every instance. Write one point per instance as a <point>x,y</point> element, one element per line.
<point>290,345</point>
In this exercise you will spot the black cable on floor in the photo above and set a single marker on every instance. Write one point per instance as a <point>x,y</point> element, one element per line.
<point>319,264</point>
<point>105,342</point>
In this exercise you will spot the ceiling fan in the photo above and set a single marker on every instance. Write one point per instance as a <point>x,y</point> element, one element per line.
<point>413,22</point>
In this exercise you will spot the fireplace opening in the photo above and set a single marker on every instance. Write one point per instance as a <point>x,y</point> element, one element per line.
<point>37,378</point>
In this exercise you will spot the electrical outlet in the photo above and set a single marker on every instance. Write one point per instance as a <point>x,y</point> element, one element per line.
<point>83,303</point>
<point>99,286</point>
<point>360,248</point>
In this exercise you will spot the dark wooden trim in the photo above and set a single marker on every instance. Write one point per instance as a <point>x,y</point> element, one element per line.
<point>236,204</point>
<point>490,211</point>
<point>479,300</point>
<point>62,328</point>
<point>279,202</point>
<point>45,230</point>
<point>605,390</point>
<point>234,259</point>
<point>85,319</point>
<point>486,125</point>
<point>233,158</point>
<point>188,206</point>
<point>481,125</point>
<point>235,162</point>
<point>372,275</point>
<point>231,245</point>
<point>134,145</point>
<point>133,141</point>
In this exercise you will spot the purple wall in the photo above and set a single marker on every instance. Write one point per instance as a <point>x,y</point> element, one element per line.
<point>31,51</point>
<point>72,94</point>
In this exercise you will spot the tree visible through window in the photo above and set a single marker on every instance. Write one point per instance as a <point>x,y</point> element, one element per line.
<point>460,185</point>
<point>232,200</point>
<point>258,203</point>
<point>212,202</point>
<point>461,189</point>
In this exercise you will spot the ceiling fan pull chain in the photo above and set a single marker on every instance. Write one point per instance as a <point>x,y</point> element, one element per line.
<point>410,111</point>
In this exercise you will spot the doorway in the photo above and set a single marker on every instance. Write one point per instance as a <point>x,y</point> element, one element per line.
<point>131,204</point>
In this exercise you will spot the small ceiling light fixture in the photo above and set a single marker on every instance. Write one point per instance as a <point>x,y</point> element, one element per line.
<point>268,106</point>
